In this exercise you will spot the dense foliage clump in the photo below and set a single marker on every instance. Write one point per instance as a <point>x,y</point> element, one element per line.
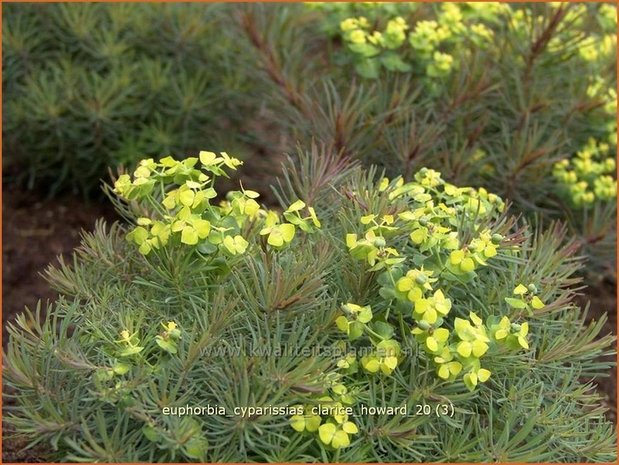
<point>534,83</point>
<point>209,330</point>
<point>89,86</point>
<point>378,37</point>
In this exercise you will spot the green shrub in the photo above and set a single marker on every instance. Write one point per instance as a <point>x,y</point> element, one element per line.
<point>419,296</point>
<point>87,86</point>
<point>490,95</point>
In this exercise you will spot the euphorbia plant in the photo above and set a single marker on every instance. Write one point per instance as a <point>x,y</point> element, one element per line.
<point>534,82</point>
<point>450,237</point>
<point>422,299</point>
<point>178,196</point>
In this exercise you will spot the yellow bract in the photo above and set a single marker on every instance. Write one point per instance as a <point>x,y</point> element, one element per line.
<point>337,436</point>
<point>306,422</point>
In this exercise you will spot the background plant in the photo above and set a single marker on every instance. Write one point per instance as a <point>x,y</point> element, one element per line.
<point>135,331</point>
<point>529,92</point>
<point>87,86</point>
<point>90,86</point>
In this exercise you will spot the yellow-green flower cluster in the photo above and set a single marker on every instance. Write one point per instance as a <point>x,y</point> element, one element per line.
<point>169,337</point>
<point>336,12</point>
<point>386,352</point>
<point>417,273</point>
<point>587,177</point>
<point>373,247</point>
<point>373,49</point>
<point>607,16</point>
<point>597,51</point>
<point>357,322</point>
<point>525,297</point>
<point>472,339</point>
<point>600,43</point>
<point>354,320</point>
<point>427,44</point>
<point>328,417</point>
<point>129,347</point>
<point>177,196</point>
<point>298,215</point>
<point>603,92</point>
<point>384,359</point>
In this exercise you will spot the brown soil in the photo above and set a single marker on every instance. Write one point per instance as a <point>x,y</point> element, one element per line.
<point>603,300</point>
<point>36,231</point>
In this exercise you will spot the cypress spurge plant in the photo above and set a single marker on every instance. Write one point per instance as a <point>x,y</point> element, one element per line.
<point>534,83</point>
<point>367,319</point>
<point>587,189</point>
